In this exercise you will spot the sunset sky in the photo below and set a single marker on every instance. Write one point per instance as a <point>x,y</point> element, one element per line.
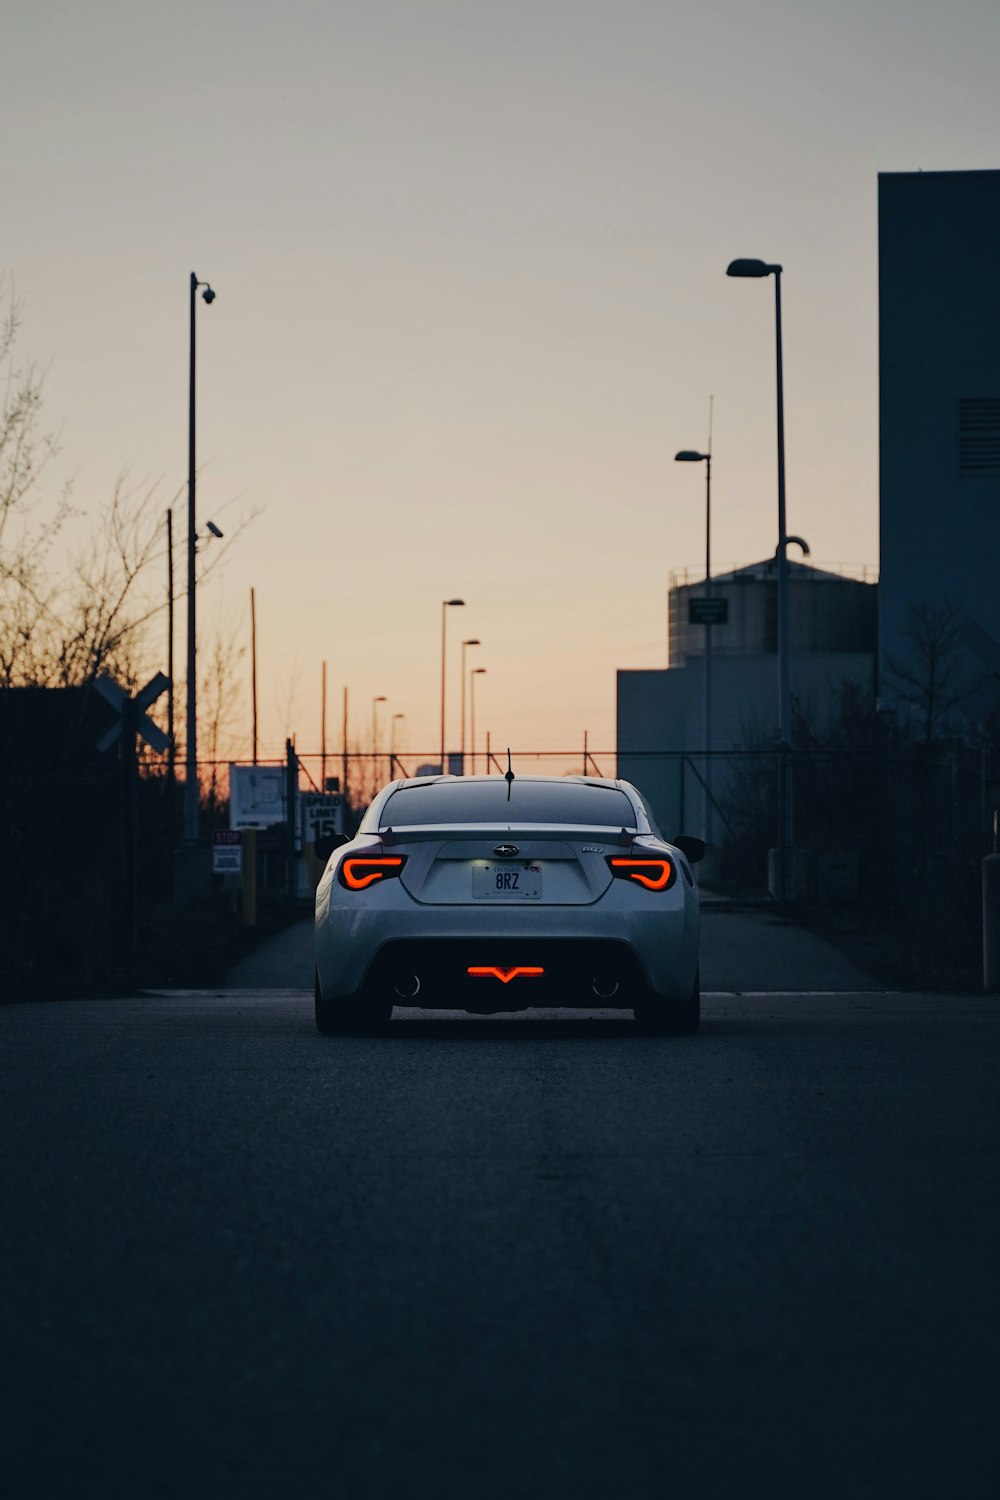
<point>471,298</point>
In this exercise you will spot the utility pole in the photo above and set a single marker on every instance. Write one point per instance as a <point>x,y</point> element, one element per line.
<point>322,735</point>
<point>345,787</point>
<point>171,748</point>
<point>191,745</point>
<point>253,668</point>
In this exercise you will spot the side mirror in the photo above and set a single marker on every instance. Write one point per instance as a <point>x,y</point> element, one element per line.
<point>690,846</point>
<point>325,846</point>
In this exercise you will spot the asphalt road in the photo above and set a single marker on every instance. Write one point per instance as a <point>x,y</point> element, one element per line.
<point>740,951</point>
<point>481,1258</point>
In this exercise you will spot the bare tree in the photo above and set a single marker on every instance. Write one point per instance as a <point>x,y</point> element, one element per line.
<point>26,594</point>
<point>932,674</point>
<point>62,624</point>
<point>218,695</point>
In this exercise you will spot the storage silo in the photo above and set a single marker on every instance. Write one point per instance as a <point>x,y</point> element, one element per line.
<point>828,612</point>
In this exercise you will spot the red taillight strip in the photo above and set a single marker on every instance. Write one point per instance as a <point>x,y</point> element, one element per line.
<point>489,971</point>
<point>654,874</point>
<point>358,872</point>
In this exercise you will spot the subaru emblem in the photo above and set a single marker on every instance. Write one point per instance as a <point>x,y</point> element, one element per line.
<point>506,850</point>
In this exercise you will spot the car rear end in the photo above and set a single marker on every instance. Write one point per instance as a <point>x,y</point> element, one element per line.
<point>456,895</point>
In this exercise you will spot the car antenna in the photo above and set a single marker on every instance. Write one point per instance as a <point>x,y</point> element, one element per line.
<point>508,775</point>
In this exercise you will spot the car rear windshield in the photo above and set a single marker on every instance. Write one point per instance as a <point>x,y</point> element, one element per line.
<point>570,802</point>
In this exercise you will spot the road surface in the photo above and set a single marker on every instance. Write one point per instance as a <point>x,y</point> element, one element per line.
<point>486,1258</point>
<point>740,951</point>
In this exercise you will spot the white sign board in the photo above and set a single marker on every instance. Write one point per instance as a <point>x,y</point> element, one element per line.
<point>227,853</point>
<point>321,816</point>
<point>256,796</point>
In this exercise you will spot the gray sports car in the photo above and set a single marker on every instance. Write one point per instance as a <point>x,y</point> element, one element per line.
<point>492,893</point>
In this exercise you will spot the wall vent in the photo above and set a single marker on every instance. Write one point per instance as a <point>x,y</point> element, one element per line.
<point>979,435</point>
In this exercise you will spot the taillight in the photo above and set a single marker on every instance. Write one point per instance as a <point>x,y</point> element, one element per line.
<point>654,874</point>
<point>359,871</point>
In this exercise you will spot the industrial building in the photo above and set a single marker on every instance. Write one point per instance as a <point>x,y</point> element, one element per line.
<point>939,499</point>
<point>661,713</point>
<point>939,410</point>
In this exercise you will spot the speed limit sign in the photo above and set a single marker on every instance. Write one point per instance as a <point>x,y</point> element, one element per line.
<point>322,815</point>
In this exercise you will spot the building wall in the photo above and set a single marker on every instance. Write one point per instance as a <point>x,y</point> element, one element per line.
<point>661,716</point>
<point>939,344</point>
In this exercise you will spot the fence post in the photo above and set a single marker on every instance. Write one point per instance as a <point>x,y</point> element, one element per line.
<point>991,909</point>
<point>250,877</point>
<point>680,818</point>
<point>991,923</point>
<point>291,808</point>
<point>130,857</point>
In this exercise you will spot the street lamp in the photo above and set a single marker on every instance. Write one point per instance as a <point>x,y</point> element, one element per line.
<point>446,604</point>
<point>476,672</point>
<point>392,743</point>
<point>472,642</point>
<point>375,703</point>
<point>191,749</point>
<point>690,456</point>
<point>757,269</point>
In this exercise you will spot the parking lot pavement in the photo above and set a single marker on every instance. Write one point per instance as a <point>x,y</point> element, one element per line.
<point>741,951</point>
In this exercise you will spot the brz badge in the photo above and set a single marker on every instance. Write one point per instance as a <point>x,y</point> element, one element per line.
<point>506,850</point>
<point>593,848</point>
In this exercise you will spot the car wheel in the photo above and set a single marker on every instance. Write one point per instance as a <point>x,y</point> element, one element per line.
<point>351,1015</point>
<point>661,1017</point>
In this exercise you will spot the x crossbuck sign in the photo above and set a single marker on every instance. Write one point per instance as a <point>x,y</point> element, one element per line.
<point>119,701</point>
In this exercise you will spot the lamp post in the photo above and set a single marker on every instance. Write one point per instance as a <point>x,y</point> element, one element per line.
<point>446,604</point>
<point>756,269</point>
<point>476,672</point>
<point>375,703</point>
<point>191,748</point>
<point>472,642</point>
<point>690,456</point>
<point>392,743</point>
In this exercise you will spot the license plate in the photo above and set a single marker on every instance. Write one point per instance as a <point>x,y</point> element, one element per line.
<point>507,882</point>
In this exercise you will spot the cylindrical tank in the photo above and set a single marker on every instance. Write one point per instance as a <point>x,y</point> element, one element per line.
<point>829,612</point>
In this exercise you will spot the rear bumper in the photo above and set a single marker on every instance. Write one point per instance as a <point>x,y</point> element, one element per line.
<point>380,945</point>
<point>493,975</point>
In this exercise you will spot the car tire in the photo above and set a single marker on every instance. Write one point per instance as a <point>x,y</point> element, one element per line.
<point>350,1015</point>
<point>658,1016</point>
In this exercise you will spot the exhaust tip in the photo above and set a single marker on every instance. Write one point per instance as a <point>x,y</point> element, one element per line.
<point>407,986</point>
<point>605,986</point>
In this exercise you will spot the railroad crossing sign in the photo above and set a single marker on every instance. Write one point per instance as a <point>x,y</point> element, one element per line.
<point>123,705</point>
<point>714,611</point>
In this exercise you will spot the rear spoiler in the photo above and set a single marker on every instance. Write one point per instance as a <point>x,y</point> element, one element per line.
<point>419,832</point>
